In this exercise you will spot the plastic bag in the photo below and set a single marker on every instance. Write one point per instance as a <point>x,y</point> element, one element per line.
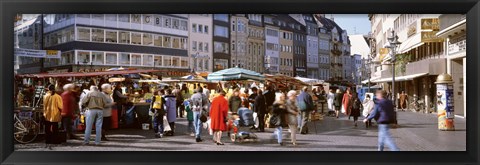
<point>166,126</point>
<point>343,109</point>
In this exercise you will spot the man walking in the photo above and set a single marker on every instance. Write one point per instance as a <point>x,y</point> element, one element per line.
<point>68,111</point>
<point>384,114</point>
<point>305,104</point>
<point>199,102</point>
<point>179,100</point>
<point>96,102</point>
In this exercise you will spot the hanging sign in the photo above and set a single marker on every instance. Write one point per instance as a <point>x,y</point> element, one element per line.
<point>30,53</point>
<point>53,54</point>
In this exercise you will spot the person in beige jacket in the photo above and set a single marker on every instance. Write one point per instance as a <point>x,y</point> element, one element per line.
<point>52,106</point>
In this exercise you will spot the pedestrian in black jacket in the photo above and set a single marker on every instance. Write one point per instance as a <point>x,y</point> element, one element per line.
<point>260,108</point>
<point>337,102</point>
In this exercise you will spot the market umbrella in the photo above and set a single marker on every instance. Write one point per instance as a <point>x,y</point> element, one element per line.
<point>235,74</point>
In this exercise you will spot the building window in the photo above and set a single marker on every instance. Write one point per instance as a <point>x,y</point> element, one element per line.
<point>205,29</point>
<point>83,34</point>
<point>98,35</point>
<point>97,58</point>
<point>136,59</point>
<point>205,47</point>
<point>157,41</point>
<point>220,31</point>
<point>167,41</point>
<point>147,39</point>
<point>233,45</point>
<point>67,58</point>
<point>124,37</point>
<point>137,38</point>
<point>175,61</point>
<point>176,43</point>
<point>167,61</point>
<point>194,28</point>
<point>124,59</point>
<point>221,17</point>
<point>124,17</point>
<point>111,36</point>
<point>183,43</point>
<point>200,28</point>
<point>83,57</point>
<point>194,45</point>
<point>183,25</point>
<point>176,24</point>
<point>83,15</point>
<point>147,60</point>
<point>221,47</point>
<point>158,60</point>
<point>184,63</point>
<point>111,58</point>
<point>200,46</point>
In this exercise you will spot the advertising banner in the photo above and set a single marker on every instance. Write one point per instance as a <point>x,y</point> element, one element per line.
<point>445,107</point>
<point>30,53</point>
<point>53,54</point>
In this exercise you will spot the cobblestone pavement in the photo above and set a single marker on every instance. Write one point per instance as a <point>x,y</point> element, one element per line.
<point>416,132</point>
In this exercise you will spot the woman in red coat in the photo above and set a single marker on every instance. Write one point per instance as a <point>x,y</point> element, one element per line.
<point>346,102</point>
<point>218,116</point>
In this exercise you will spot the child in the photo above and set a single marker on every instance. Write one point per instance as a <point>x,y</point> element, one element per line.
<point>189,111</point>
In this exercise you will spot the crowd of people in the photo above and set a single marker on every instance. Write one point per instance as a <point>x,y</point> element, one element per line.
<point>273,109</point>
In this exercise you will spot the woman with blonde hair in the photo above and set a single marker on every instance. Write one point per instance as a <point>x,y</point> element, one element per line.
<point>292,112</point>
<point>278,116</point>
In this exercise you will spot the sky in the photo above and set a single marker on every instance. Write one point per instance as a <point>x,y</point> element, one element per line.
<point>358,23</point>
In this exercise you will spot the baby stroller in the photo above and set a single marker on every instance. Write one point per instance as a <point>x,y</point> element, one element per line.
<point>242,120</point>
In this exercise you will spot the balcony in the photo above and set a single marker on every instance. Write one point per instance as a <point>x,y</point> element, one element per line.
<point>430,66</point>
<point>336,52</point>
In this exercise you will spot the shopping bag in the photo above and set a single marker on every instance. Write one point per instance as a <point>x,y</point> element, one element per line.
<point>255,119</point>
<point>343,109</point>
<point>166,126</point>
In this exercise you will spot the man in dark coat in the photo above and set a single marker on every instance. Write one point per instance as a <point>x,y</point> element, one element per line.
<point>260,108</point>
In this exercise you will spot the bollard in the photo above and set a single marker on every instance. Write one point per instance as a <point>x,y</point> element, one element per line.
<point>445,102</point>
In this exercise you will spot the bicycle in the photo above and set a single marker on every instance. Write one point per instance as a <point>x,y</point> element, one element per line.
<point>26,129</point>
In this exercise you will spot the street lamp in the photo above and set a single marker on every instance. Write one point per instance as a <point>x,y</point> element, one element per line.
<point>394,43</point>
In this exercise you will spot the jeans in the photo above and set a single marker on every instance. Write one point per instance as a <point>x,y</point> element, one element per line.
<point>94,115</point>
<point>303,119</point>
<point>197,123</point>
<point>158,124</point>
<point>278,133</point>
<point>191,128</point>
<point>67,125</point>
<point>384,137</point>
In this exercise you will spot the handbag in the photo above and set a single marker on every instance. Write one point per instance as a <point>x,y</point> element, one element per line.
<point>203,113</point>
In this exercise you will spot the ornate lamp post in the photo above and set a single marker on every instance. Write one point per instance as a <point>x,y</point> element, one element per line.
<point>394,43</point>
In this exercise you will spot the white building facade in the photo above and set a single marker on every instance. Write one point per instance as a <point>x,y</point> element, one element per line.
<point>201,47</point>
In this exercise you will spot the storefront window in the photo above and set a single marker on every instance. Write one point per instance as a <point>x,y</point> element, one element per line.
<point>111,58</point>
<point>136,59</point>
<point>124,37</point>
<point>137,38</point>
<point>157,41</point>
<point>124,59</point>
<point>147,39</point>
<point>147,60</point>
<point>97,35</point>
<point>111,36</point>
<point>176,43</point>
<point>83,34</point>
<point>66,58</point>
<point>167,41</point>
<point>167,61</point>
<point>83,58</point>
<point>97,58</point>
<point>220,64</point>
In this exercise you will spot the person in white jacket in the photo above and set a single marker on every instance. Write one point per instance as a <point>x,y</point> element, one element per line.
<point>368,105</point>
<point>330,98</point>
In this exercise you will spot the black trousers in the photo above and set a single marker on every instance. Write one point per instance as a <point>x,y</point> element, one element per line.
<point>172,126</point>
<point>261,122</point>
<point>51,130</point>
<point>180,108</point>
<point>67,125</point>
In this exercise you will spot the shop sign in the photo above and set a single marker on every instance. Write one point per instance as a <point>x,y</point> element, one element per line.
<point>383,53</point>
<point>457,44</point>
<point>431,37</point>
<point>430,24</point>
<point>412,29</point>
<point>136,18</point>
<point>53,54</point>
